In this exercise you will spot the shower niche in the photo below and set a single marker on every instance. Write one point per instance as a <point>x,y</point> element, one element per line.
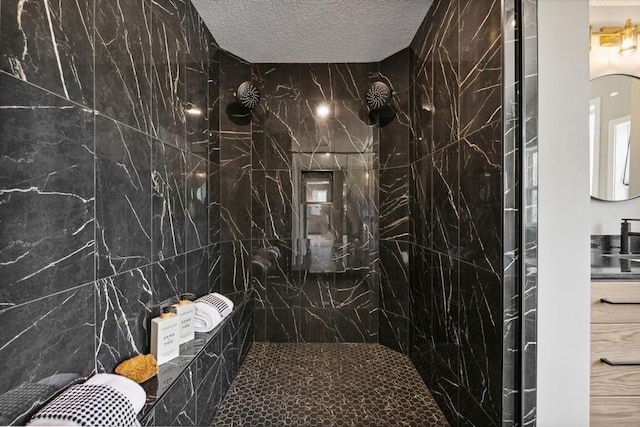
<point>334,212</point>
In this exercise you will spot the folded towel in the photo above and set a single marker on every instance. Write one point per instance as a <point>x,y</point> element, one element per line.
<point>207,317</point>
<point>19,401</point>
<point>104,400</point>
<point>132,390</point>
<point>223,304</point>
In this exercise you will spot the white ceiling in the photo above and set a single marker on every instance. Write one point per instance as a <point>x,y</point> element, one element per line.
<point>306,31</point>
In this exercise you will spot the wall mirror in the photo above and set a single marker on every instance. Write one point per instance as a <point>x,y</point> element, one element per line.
<point>614,137</point>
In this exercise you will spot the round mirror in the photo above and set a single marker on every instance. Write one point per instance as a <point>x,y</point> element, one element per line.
<point>614,137</point>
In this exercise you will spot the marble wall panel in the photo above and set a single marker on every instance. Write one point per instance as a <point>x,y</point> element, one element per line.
<point>114,197</point>
<point>50,44</point>
<point>47,341</point>
<point>123,56</point>
<point>123,208</point>
<point>196,202</point>
<point>394,203</point>
<point>121,332</point>
<point>46,192</point>
<point>168,202</point>
<point>168,75</point>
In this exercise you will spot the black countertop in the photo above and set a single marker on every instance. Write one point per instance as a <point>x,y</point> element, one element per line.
<point>607,267</point>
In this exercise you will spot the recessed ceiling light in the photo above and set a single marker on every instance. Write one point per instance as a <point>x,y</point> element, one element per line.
<point>322,111</point>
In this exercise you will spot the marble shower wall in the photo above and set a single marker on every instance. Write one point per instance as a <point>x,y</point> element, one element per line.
<point>114,161</point>
<point>394,132</point>
<point>312,285</point>
<point>456,215</point>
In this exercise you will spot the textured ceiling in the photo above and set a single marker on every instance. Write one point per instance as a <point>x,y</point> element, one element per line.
<point>305,31</point>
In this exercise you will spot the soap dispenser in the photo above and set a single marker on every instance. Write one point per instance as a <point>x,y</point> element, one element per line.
<point>165,336</point>
<point>186,311</point>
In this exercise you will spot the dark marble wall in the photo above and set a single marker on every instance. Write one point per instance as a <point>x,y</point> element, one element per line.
<point>395,135</point>
<point>120,180</point>
<point>320,288</point>
<point>456,283</point>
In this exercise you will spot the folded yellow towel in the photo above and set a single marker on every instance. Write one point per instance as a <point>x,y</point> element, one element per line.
<point>139,368</point>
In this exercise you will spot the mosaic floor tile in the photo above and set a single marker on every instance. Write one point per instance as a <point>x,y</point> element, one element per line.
<point>327,384</point>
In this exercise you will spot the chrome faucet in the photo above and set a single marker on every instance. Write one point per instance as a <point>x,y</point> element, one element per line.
<point>625,234</point>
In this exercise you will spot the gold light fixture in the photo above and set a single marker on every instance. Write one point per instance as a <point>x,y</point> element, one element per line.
<point>625,38</point>
<point>628,38</point>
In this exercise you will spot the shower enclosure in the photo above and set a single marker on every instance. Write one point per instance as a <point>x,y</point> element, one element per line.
<point>350,213</point>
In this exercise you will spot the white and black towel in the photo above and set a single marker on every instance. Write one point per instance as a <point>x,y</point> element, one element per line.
<point>104,400</point>
<point>210,310</point>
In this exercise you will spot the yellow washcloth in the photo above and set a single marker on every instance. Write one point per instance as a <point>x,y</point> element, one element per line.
<point>139,368</point>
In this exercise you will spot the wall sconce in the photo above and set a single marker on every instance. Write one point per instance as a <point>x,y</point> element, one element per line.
<point>625,38</point>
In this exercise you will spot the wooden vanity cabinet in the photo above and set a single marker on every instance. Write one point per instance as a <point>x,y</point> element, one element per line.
<point>615,338</point>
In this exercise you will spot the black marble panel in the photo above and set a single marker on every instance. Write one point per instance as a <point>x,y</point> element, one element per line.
<point>354,289</point>
<point>316,325</point>
<point>235,261</point>
<point>446,200</point>
<point>421,214</point>
<point>480,64</point>
<point>279,215</point>
<point>123,206</point>
<point>171,409</point>
<point>481,336</point>
<point>282,282</point>
<point>351,325</point>
<point>214,267</point>
<point>394,277</point>
<point>169,279</point>
<point>233,71</point>
<point>258,206</point>
<point>198,40</point>
<point>278,81</point>
<point>394,331</point>
<point>445,305</point>
<point>124,308</point>
<point>214,202</point>
<point>481,198</point>
<point>198,264</point>
<point>209,396</point>
<point>259,324</point>
<point>446,81</point>
<point>394,135</point>
<point>352,130</point>
<point>394,203</point>
<point>46,337</point>
<point>168,198</point>
<point>168,74</point>
<point>281,133</point>
<point>208,360</point>
<point>229,365</point>
<point>350,81</point>
<point>235,184</point>
<point>282,324</point>
<point>317,126</point>
<point>196,202</point>
<point>46,193</point>
<point>123,79</point>
<point>50,45</point>
<point>214,101</point>
<point>315,82</point>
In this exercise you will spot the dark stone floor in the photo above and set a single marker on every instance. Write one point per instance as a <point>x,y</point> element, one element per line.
<point>326,384</point>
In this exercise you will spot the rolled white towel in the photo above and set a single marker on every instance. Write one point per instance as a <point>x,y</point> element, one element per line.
<point>207,316</point>
<point>104,400</point>
<point>134,392</point>
<point>223,304</point>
